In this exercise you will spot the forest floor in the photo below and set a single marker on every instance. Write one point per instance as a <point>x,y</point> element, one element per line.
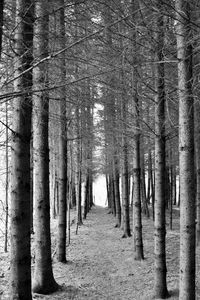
<point>101,263</point>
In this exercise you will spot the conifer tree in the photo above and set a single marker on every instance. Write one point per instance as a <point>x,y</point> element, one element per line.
<point>43,282</point>
<point>20,271</point>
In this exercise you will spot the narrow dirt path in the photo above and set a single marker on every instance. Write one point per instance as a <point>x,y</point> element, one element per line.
<point>101,264</point>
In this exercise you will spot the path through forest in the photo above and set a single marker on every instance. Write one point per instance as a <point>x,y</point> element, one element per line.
<point>101,264</point>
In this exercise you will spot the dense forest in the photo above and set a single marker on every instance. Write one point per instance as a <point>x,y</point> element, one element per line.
<point>95,89</point>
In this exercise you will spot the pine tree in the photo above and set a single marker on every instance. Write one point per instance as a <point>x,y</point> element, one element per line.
<point>62,221</point>
<point>43,282</point>
<point>20,272</point>
<point>186,151</point>
<point>160,285</point>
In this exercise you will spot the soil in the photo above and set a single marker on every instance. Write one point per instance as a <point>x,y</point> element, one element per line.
<point>101,263</point>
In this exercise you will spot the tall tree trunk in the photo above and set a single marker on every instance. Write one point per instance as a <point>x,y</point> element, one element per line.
<point>78,169</point>
<point>72,177</point>
<point>137,226</point>
<point>186,152</point>
<point>196,68</point>
<point>160,285</point>
<point>197,144</point>
<point>125,150</point>
<point>1,23</point>
<point>62,216</point>
<point>43,282</point>
<point>7,183</point>
<point>117,193</point>
<point>20,272</point>
<point>125,177</point>
<point>86,197</point>
<point>137,217</point>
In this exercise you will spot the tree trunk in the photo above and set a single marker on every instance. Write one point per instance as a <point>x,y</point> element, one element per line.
<point>137,226</point>
<point>125,150</point>
<point>137,162</point>
<point>78,170</point>
<point>62,216</point>
<point>112,193</point>
<point>160,284</point>
<point>125,190</point>
<point>20,271</point>
<point>43,282</point>
<point>196,68</point>
<point>86,198</point>
<point>7,170</point>
<point>186,152</point>
<point>197,144</point>
<point>72,177</point>
<point>1,23</point>
<point>142,176</point>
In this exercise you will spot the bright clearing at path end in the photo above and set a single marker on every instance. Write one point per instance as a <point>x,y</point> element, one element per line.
<point>99,190</point>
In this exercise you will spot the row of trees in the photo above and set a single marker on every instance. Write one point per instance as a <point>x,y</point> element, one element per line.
<point>81,76</point>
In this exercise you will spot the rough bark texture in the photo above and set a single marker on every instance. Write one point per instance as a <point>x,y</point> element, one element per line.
<point>1,23</point>
<point>137,218</point>
<point>78,169</point>
<point>62,216</point>
<point>43,282</point>
<point>125,184</point>
<point>197,144</point>
<point>20,271</point>
<point>139,255</point>
<point>160,284</point>
<point>117,194</point>
<point>196,92</point>
<point>186,153</point>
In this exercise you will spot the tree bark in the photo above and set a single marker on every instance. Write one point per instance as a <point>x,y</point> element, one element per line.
<point>197,144</point>
<point>117,193</point>
<point>78,169</point>
<point>62,216</point>
<point>7,184</point>
<point>186,152</point>
<point>1,23</point>
<point>125,185</point>
<point>137,226</point>
<point>20,271</point>
<point>160,283</point>
<point>43,282</point>
<point>137,182</point>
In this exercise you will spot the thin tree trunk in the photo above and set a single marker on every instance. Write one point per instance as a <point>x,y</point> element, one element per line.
<point>108,191</point>
<point>160,283</point>
<point>1,23</point>
<point>62,216</point>
<point>137,225</point>
<point>142,176</point>
<point>197,142</point>
<point>125,191</point>
<point>85,209</point>
<point>112,191</point>
<point>125,162</point>
<point>68,224</point>
<point>73,185</point>
<point>153,194</point>
<point>186,152</point>
<point>196,68</point>
<point>20,271</point>
<point>43,282</point>
<point>79,170</point>
<point>117,194</point>
<point>7,170</point>
<point>137,162</point>
<point>171,188</point>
